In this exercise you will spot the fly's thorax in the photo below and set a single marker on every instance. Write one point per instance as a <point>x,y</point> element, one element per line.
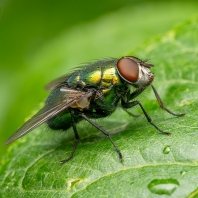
<point>102,74</point>
<point>107,99</point>
<point>135,72</point>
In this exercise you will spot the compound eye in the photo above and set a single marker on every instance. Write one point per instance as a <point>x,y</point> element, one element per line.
<point>128,69</point>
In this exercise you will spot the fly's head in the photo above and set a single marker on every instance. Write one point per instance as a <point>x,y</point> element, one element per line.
<point>135,72</point>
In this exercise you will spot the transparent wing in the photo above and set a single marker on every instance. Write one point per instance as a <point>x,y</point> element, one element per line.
<point>66,98</point>
<point>50,86</point>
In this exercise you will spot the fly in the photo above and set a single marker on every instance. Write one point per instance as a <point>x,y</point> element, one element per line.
<point>91,92</point>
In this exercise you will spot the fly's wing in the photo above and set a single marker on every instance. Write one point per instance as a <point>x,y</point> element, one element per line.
<point>53,84</point>
<point>68,96</point>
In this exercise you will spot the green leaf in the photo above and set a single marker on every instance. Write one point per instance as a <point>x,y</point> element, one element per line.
<point>41,52</point>
<point>154,164</point>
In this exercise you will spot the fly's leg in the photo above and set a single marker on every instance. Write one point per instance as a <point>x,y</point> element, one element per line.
<point>162,105</point>
<point>131,114</point>
<point>134,103</point>
<point>77,138</point>
<point>104,132</point>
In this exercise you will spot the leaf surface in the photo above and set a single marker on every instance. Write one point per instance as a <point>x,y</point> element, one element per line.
<point>154,164</point>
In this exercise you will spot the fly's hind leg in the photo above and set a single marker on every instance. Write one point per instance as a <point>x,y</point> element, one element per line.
<point>104,132</point>
<point>77,138</point>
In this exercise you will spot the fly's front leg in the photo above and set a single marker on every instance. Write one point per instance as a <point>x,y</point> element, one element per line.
<point>127,96</point>
<point>134,103</point>
<point>162,105</point>
<point>77,138</point>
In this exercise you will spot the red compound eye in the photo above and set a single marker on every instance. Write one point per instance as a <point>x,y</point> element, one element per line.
<point>128,69</point>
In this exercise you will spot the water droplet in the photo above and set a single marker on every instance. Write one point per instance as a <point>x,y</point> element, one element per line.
<point>166,150</point>
<point>163,186</point>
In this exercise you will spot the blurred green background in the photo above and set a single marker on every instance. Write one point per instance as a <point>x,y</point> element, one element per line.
<point>40,41</point>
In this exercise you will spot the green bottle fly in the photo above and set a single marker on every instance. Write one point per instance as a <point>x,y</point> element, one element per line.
<point>91,92</point>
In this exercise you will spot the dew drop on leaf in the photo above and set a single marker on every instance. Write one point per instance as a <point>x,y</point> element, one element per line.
<point>166,150</point>
<point>163,186</point>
